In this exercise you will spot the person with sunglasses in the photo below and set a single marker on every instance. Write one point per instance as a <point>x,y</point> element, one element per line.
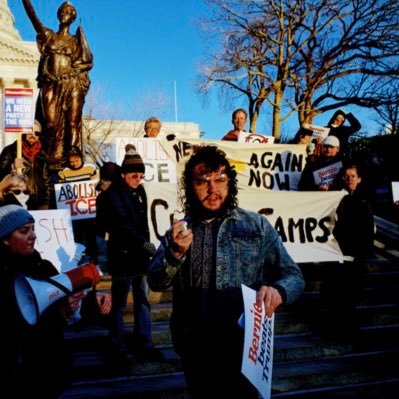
<point>14,190</point>
<point>129,252</point>
<point>33,164</point>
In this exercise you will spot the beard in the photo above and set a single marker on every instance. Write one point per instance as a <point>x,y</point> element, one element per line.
<point>199,212</point>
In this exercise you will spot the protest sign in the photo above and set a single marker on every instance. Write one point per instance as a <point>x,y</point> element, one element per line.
<point>55,241</point>
<point>158,166</point>
<point>257,358</point>
<point>395,190</point>
<point>270,167</point>
<point>79,198</point>
<point>319,132</point>
<point>245,137</point>
<point>18,110</point>
<point>326,175</point>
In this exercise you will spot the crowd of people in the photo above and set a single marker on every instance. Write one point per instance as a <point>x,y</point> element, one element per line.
<point>204,258</point>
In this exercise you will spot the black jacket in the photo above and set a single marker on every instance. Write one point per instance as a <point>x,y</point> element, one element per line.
<point>37,172</point>
<point>127,225</point>
<point>354,229</point>
<point>343,132</point>
<point>33,359</point>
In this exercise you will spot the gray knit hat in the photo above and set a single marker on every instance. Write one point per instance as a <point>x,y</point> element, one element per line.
<point>12,217</point>
<point>132,161</point>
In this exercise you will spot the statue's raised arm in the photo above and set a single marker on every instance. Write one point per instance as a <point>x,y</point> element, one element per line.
<point>30,11</point>
<point>63,81</point>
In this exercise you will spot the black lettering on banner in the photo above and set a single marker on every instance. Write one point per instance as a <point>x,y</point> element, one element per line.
<point>283,185</point>
<point>306,228</point>
<point>182,149</point>
<point>253,161</point>
<point>70,192</point>
<point>254,177</point>
<point>311,225</point>
<point>324,224</point>
<point>269,180</point>
<point>277,165</point>
<point>292,225</point>
<point>297,163</point>
<point>266,163</point>
<point>63,195</point>
<point>279,226</point>
<point>153,213</point>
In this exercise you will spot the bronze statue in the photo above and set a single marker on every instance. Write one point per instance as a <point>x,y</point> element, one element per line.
<point>63,82</point>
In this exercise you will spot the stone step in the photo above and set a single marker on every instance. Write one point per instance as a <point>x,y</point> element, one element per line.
<point>381,389</point>
<point>335,370</point>
<point>290,378</point>
<point>91,349</point>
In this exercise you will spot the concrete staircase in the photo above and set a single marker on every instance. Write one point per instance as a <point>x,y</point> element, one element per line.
<point>306,365</point>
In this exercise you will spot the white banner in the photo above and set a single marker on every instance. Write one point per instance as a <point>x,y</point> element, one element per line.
<point>79,198</point>
<point>304,220</point>
<point>257,357</point>
<point>268,167</point>
<point>158,166</point>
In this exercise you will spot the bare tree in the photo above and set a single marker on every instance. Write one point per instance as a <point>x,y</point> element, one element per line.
<point>103,122</point>
<point>305,56</point>
<point>99,126</point>
<point>388,112</point>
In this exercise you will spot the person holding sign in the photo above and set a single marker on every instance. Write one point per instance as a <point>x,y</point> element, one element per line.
<point>239,120</point>
<point>33,164</point>
<point>77,170</point>
<point>341,131</point>
<point>63,81</point>
<point>35,362</point>
<point>206,257</point>
<point>84,230</point>
<point>321,171</point>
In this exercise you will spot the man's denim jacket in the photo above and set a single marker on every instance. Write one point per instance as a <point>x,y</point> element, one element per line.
<point>249,251</point>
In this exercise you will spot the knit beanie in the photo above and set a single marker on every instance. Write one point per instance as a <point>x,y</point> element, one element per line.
<point>132,161</point>
<point>12,217</point>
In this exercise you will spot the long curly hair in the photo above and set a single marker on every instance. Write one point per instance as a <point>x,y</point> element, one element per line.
<point>214,159</point>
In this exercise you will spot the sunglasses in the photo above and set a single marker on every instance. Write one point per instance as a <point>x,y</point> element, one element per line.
<point>204,181</point>
<point>139,176</point>
<point>18,191</point>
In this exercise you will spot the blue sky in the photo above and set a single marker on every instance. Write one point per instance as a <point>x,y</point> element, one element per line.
<point>142,50</point>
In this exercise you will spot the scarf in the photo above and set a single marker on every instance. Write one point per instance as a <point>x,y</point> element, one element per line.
<point>29,152</point>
